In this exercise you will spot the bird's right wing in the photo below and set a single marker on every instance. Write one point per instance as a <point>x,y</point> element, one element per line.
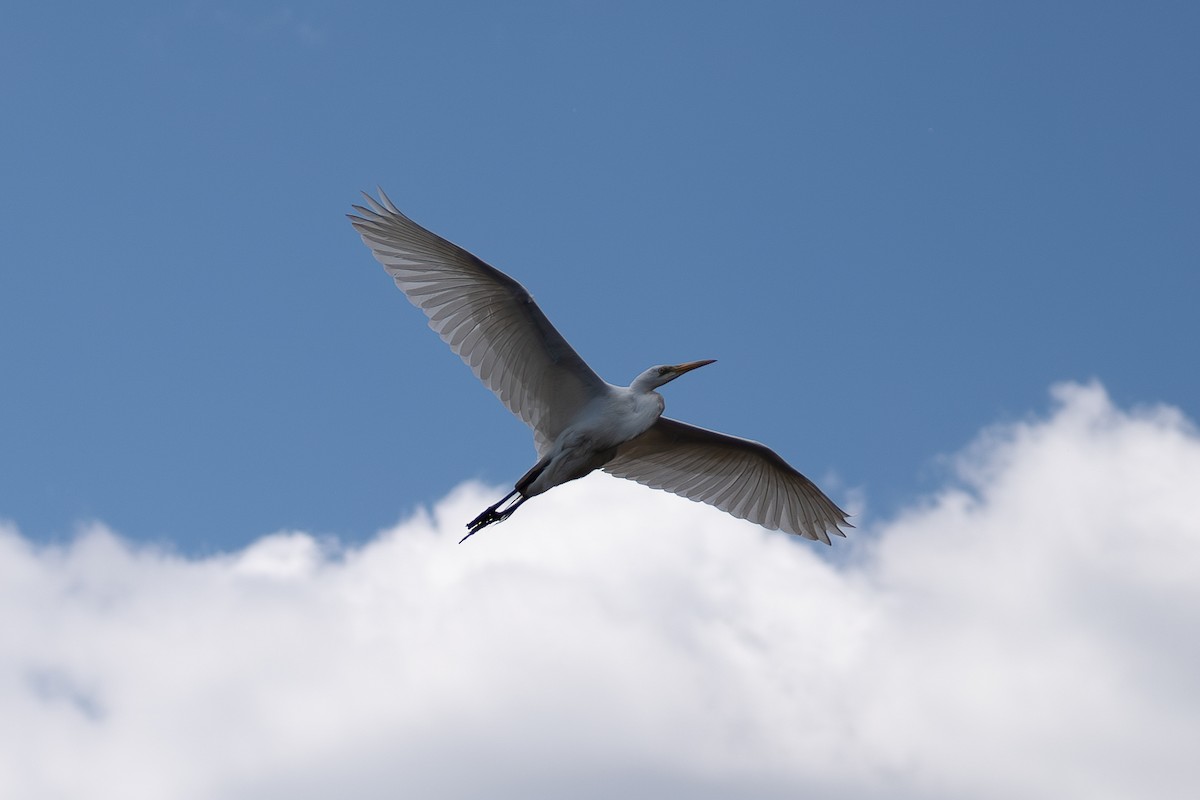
<point>486,317</point>
<point>744,478</point>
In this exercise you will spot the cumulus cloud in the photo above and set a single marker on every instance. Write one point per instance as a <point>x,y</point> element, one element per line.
<point>1028,631</point>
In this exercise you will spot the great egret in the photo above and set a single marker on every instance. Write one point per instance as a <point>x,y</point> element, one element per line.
<point>581,423</point>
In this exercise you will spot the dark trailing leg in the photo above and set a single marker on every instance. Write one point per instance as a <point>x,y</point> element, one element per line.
<point>493,514</point>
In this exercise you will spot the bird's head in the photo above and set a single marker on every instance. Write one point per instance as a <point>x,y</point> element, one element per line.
<point>656,376</point>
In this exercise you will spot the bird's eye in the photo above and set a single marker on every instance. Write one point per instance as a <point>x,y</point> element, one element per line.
<point>663,370</point>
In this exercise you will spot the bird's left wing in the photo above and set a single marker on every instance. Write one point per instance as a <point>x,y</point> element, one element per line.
<point>486,317</point>
<point>744,478</point>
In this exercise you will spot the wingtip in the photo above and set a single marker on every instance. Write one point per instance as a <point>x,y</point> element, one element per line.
<point>387,201</point>
<point>381,206</point>
<point>376,206</point>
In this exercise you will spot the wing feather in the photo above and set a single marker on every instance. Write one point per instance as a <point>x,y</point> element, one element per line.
<point>744,478</point>
<point>486,317</point>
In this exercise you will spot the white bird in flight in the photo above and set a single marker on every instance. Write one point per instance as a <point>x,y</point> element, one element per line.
<point>581,423</point>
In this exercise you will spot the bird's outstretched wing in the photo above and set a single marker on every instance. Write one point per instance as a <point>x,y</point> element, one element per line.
<point>744,478</point>
<point>486,317</point>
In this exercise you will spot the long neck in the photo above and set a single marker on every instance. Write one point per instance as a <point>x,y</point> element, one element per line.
<point>641,408</point>
<point>645,383</point>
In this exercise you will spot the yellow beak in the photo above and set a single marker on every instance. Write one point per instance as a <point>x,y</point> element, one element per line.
<point>679,369</point>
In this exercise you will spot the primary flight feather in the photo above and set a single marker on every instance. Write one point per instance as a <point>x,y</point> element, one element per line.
<point>580,423</point>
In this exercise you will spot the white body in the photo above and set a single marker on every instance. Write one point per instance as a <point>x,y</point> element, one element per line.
<point>591,440</point>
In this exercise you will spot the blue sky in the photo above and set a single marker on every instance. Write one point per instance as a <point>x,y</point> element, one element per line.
<point>892,224</point>
<point>946,255</point>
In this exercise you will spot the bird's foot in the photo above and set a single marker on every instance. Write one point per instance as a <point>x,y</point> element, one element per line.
<point>493,514</point>
<point>489,516</point>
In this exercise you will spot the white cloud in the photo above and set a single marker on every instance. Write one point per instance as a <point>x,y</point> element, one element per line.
<point>1032,633</point>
